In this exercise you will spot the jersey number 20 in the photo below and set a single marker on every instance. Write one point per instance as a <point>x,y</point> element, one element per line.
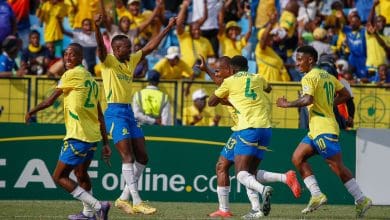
<point>93,90</point>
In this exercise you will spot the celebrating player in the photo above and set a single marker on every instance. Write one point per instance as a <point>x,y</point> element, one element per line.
<point>82,115</point>
<point>319,90</point>
<point>117,73</point>
<point>245,93</point>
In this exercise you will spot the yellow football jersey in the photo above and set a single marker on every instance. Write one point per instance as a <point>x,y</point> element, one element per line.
<point>118,78</point>
<point>191,49</point>
<point>50,14</point>
<point>322,86</point>
<point>233,115</point>
<point>245,92</point>
<point>376,54</point>
<point>81,93</point>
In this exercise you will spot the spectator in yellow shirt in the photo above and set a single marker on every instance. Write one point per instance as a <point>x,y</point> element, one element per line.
<point>269,64</point>
<point>86,9</point>
<point>378,44</point>
<point>138,17</point>
<point>288,18</point>
<point>172,66</point>
<point>192,42</point>
<point>383,8</point>
<point>229,36</point>
<point>50,13</point>
<point>126,26</point>
<point>198,114</point>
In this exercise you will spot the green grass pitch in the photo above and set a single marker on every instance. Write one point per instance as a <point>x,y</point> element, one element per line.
<point>36,210</point>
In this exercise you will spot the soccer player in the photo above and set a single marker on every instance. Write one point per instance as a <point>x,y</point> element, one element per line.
<point>83,118</point>
<point>246,95</point>
<point>117,75</point>
<point>319,90</point>
<point>226,158</point>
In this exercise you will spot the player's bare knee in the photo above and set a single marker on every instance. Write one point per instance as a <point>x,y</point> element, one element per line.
<point>80,173</point>
<point>56,178</point>
<point>336,168</point>
<point>296,160</point>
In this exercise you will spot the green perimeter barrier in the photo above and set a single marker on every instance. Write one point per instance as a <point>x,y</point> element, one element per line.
<point>181,167</point>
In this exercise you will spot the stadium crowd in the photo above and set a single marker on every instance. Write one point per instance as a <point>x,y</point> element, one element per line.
<point>353,37</point>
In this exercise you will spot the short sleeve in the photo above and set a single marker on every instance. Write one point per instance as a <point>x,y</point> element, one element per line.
<point>159,66</point>
<point>260,33</point>
<point>264,82</point>
<point>186,70</point>
<point>135,58</point>
<point>66,82</point>
<point>183,35</point>
<point>307,86</point>
<point>109,61</point>
<point>223,90</point>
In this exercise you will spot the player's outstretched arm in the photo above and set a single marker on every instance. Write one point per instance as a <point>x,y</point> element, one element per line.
<point>250,25</point>
<point>44,104</point>
<point>102,50</point>
<point>301,102</point>
<point>106,151</point>
<point>153,43</point>
<point>155,13</point>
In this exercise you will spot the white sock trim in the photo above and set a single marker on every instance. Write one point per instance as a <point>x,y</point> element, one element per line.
<point>223,197</point>
<point>312,184</point>
<point>354,189</point>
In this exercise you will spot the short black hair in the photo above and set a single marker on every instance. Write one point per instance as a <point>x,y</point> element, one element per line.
<point>309,50</point>
<point>86,19</point>
<point>78,47</point>
<point>239,63</point>
<point>153,76</point>
<point>32,32</point>
<point>120,37</point>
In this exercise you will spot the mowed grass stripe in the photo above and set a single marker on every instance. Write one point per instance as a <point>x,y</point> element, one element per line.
<point>27,209</point>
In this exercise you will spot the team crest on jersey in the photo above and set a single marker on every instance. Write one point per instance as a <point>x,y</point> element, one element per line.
<point>125,131</point>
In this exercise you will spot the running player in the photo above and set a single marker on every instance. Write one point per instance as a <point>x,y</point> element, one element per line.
<point>82,114</point>
<point>319,90</point>
<point>117,74</point>
<point>226,159</point>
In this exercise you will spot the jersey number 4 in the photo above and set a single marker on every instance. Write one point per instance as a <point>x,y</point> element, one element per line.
<point>249,93</point>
